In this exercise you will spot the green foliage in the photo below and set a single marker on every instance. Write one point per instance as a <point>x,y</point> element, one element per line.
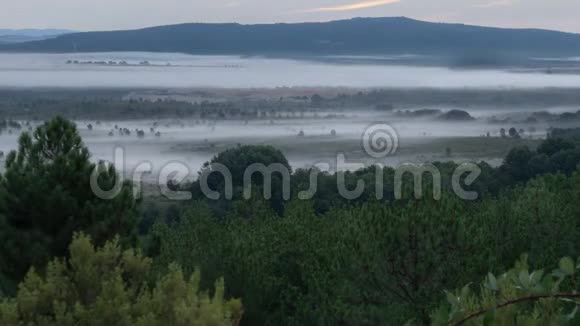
<point>517,297</point>
<point>555,155</point>
<point>45,196</point>
<point>540,219</point>
<point>516,163</point>
<point>370,263</point>
<point>572,134</point>
<point>237,160</point>
<point>554,145</point>
<point>107,286</point>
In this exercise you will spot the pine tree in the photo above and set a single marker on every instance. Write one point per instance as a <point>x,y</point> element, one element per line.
<point>45,196</point>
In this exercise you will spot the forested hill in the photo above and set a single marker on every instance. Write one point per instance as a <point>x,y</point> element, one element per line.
<point>368,36</point>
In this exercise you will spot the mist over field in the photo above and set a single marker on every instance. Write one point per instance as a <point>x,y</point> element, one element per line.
<point>265,79</point>
<point>162,70</point>
<point>306,133</point>
<point>417,83</point>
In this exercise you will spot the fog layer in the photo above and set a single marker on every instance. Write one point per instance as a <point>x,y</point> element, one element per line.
<point>164,70</point>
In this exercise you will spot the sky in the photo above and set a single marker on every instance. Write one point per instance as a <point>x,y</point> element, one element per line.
<point>85,15</point>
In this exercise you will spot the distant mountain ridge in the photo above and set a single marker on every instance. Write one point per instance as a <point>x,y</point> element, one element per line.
<point>28,35</point>
<point>359,36</point>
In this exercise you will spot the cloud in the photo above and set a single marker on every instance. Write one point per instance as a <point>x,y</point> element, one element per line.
<point>497,3</point>
<point>355,6</point>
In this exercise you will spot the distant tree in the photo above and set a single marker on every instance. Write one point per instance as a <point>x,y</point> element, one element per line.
<point>516,163</point>
<point>456,115</point>
<point>565,161</point>
<point>237,160</point>
<point>502,132</point>
<point>45,196</point>
<point>513,133</point>
<point>552,146</point>
<point>316,99</point>
<point>384,107</point>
